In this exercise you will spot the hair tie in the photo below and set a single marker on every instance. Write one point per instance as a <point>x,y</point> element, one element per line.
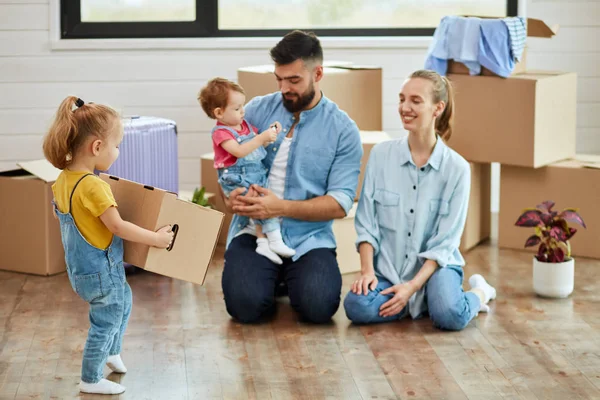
<point>79,102</point>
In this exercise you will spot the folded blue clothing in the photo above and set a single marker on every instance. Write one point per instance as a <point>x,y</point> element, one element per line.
<point>492,43</point>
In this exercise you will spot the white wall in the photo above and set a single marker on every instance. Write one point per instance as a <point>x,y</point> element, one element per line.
<point>34,78</point>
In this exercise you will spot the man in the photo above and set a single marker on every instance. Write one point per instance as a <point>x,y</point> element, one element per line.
<point>313,174</point>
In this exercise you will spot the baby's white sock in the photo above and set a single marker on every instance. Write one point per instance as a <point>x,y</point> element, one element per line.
<point>262,248</point>
<point>478,282</point>
<point>276,244</point>
<point>103,387</point>
<point>116,364</point>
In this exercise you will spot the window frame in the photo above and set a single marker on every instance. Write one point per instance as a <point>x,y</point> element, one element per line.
<point>206,26</point>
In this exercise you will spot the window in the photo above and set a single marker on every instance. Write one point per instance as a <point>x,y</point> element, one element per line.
<point>254,18</point>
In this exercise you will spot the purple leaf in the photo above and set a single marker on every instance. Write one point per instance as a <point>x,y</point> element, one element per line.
<point>546,205</point>
<point>529,218</point>
<point>571,215</point>
<point>571,233</point>
<point>532,241</point>
<point>558,234</point>
<point>546,218</point>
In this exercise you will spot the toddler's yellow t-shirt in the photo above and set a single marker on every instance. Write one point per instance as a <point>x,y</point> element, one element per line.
<point>91,199</point>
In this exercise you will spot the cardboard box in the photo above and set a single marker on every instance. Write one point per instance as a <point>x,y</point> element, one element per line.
<point>535,28</point>
<point>570,184</point>
<point>526,120</point>
<point>344,231</point>
<point>208,174</point>
<point>30,239</point>
<point>368,139</point>
<point>356,89</point>
<point>455,67</point>
<point>216,201</point>
<point>196,230</point>
<point>478,224</point>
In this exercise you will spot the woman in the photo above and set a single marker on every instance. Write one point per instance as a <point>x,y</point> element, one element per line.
<point>411,216</point>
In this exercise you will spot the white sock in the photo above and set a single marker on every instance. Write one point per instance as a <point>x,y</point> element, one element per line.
<point>478,282</point>
<point>103,387</point>
<point>116,364</point>
<point>276,244</point>
<point>262,248</point>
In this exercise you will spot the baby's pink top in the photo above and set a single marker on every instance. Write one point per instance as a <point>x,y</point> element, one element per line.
<point>222,158</point>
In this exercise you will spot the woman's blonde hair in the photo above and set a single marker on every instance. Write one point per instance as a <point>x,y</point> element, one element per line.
<point>442,91</point>
<point>74,123</point>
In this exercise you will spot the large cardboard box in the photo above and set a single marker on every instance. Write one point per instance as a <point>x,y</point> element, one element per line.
<point>526,120</point>
<point>535,28</point>
<point>196,230</point>
<point>570,184</point>
<point>369,139</point>
<point>30,239</point>
<point>356,89</point>
<point>348,257</point>
<point>478,223</point>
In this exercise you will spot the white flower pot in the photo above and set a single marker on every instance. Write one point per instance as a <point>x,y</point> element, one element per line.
<point>553,279</point>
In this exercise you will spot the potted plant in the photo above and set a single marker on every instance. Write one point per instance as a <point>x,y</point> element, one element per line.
<point>553,266</point>
<point>199,198</point>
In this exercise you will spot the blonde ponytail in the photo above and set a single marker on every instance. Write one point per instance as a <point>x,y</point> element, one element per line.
<point>74,123</point>
<point>443,123</point>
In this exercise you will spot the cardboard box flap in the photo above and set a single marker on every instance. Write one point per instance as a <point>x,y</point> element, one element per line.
<point>538,28</point>
<point>41,169</point>
<point>580,161</point>
<point>330,65</point>
<point>197,229</point>
<point>354,67</point>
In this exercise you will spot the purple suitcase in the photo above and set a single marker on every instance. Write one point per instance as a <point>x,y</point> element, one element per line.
<point>148,153</point>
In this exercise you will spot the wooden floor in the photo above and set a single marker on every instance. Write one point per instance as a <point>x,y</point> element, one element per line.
<point>181,344</point>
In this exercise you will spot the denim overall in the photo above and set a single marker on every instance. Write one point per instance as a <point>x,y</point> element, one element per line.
<point>245,172</point>
<point>98,277</point>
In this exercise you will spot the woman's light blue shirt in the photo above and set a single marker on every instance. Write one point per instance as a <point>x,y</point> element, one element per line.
<point>411,214</point>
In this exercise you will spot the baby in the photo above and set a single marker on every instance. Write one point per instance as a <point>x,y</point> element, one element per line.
<point>239,151</point>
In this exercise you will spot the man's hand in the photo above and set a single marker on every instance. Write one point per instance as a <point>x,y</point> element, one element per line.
<point>233,199</point>
<point>402,292</point>
<point>265,205</point>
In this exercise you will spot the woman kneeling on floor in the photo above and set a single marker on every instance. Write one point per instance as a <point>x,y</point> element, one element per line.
<point>411,216</point>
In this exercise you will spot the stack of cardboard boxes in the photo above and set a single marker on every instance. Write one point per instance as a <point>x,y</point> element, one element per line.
<point>527,123</point>
<point>357,89</point>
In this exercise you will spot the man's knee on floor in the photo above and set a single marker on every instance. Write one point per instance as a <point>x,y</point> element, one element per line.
<point>318,312</point>
<point>248,307</point>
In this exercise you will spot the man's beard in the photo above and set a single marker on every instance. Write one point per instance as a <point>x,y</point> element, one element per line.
<point>299,103</point>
